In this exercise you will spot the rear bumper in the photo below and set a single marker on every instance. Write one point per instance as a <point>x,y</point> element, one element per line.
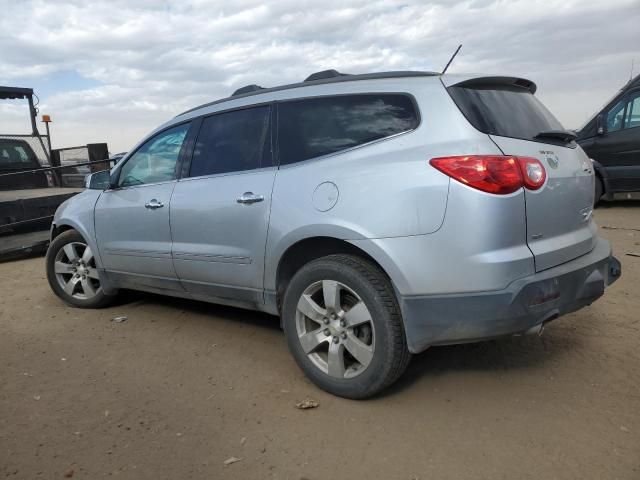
<point>526,303</point>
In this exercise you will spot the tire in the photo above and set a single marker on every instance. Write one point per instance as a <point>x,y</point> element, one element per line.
<point>70,265</point>
<point>599,191</point>
<point>353,347</point>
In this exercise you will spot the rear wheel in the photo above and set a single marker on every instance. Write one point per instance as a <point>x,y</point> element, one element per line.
<point>343,326</point>
<point>72,272</point>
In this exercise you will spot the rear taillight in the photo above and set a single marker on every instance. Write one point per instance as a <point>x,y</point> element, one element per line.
<point>493,173</point>
<point>533,172</point>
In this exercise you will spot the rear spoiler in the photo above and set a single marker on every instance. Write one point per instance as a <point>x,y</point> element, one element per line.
<point>478,82</point>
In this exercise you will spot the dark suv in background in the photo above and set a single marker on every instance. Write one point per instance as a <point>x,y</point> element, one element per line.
<point>612,139</point>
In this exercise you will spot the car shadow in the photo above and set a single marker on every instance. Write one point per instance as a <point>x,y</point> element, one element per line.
<point>499,355</point>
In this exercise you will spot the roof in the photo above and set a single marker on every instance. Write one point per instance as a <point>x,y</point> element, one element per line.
<point>311,80</point>
<point>10,93</point>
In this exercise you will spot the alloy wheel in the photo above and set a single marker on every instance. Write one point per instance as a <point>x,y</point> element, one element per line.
<point>335,329</point>
<point>76,271</point>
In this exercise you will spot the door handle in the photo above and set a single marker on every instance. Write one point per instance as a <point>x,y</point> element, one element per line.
<point>153,204</point>
<point>248,198</point>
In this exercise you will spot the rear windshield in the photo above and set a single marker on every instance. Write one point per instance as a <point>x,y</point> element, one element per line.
<point>14,154</point>
<point>506,111</point>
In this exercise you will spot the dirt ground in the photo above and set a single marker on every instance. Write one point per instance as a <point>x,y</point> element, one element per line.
<point>182,386</point>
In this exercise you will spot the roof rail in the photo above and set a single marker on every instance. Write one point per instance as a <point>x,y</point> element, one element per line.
<point>325,74</point>
<point>247,89</point>
<point>342,77</point>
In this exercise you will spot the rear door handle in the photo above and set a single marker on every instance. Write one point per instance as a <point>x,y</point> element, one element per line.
<point>153,204</point>
<point>248,198</point>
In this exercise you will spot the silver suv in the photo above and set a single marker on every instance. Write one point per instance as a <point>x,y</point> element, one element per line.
<point>377,215</point>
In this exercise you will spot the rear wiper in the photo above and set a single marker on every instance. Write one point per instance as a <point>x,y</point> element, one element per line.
<point>563,135</point>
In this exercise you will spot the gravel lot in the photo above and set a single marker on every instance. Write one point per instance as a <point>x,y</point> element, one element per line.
<point>182,386</point>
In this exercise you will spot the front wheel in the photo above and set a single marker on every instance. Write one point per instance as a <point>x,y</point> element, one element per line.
<point>343,326</point>
<point>72,272</point>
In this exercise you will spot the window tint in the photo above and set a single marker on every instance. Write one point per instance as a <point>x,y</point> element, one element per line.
<point>633,113</point>
<point>318,126</point>
<point>156,160</point>
<point>233,141</point>
<point>615,117</point>
<point>505,111</point>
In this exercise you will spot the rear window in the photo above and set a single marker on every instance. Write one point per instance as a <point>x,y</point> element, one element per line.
<point>15,154</point>
<point>232,142</point>
<point>319,126</point>
<point>506,111</point>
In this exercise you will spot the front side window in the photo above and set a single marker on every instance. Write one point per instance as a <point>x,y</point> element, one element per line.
<point>313,127</point>
<point>615,117</point>
<point>633,113</point>
<point>155,161</point>
<point>233,142</point>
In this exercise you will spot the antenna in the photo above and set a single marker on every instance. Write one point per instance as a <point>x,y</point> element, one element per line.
<point>632,65</point>
<point>451,59</point>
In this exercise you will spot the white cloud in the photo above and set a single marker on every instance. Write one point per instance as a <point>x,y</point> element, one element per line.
<point>154,59</point>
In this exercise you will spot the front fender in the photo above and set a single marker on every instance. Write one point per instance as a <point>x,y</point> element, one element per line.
<point>78,213</point>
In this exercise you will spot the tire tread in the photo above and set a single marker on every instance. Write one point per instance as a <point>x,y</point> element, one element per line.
<point>398,355</point>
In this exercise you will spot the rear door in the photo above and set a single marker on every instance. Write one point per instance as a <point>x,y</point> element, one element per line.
<point>559,214</point>
<point>220,210</point>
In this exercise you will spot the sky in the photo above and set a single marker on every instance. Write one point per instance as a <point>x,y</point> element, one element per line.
<point>112,71</point>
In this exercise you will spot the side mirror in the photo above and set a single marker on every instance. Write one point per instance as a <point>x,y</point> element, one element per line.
<point>113,178</point>
<point>98,181</point>
<point>600,124</point>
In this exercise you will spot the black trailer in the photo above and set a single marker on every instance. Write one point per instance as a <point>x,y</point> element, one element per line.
<point>35,179</point>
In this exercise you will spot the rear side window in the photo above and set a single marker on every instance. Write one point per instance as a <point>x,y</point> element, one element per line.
<point>232,142</point>
<point>506,111</point>
<point>318,126</point>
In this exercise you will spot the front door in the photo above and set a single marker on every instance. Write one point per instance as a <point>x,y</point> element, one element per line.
<point>132,220</point>
<point>618,150</point>
<point>220,211</point>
